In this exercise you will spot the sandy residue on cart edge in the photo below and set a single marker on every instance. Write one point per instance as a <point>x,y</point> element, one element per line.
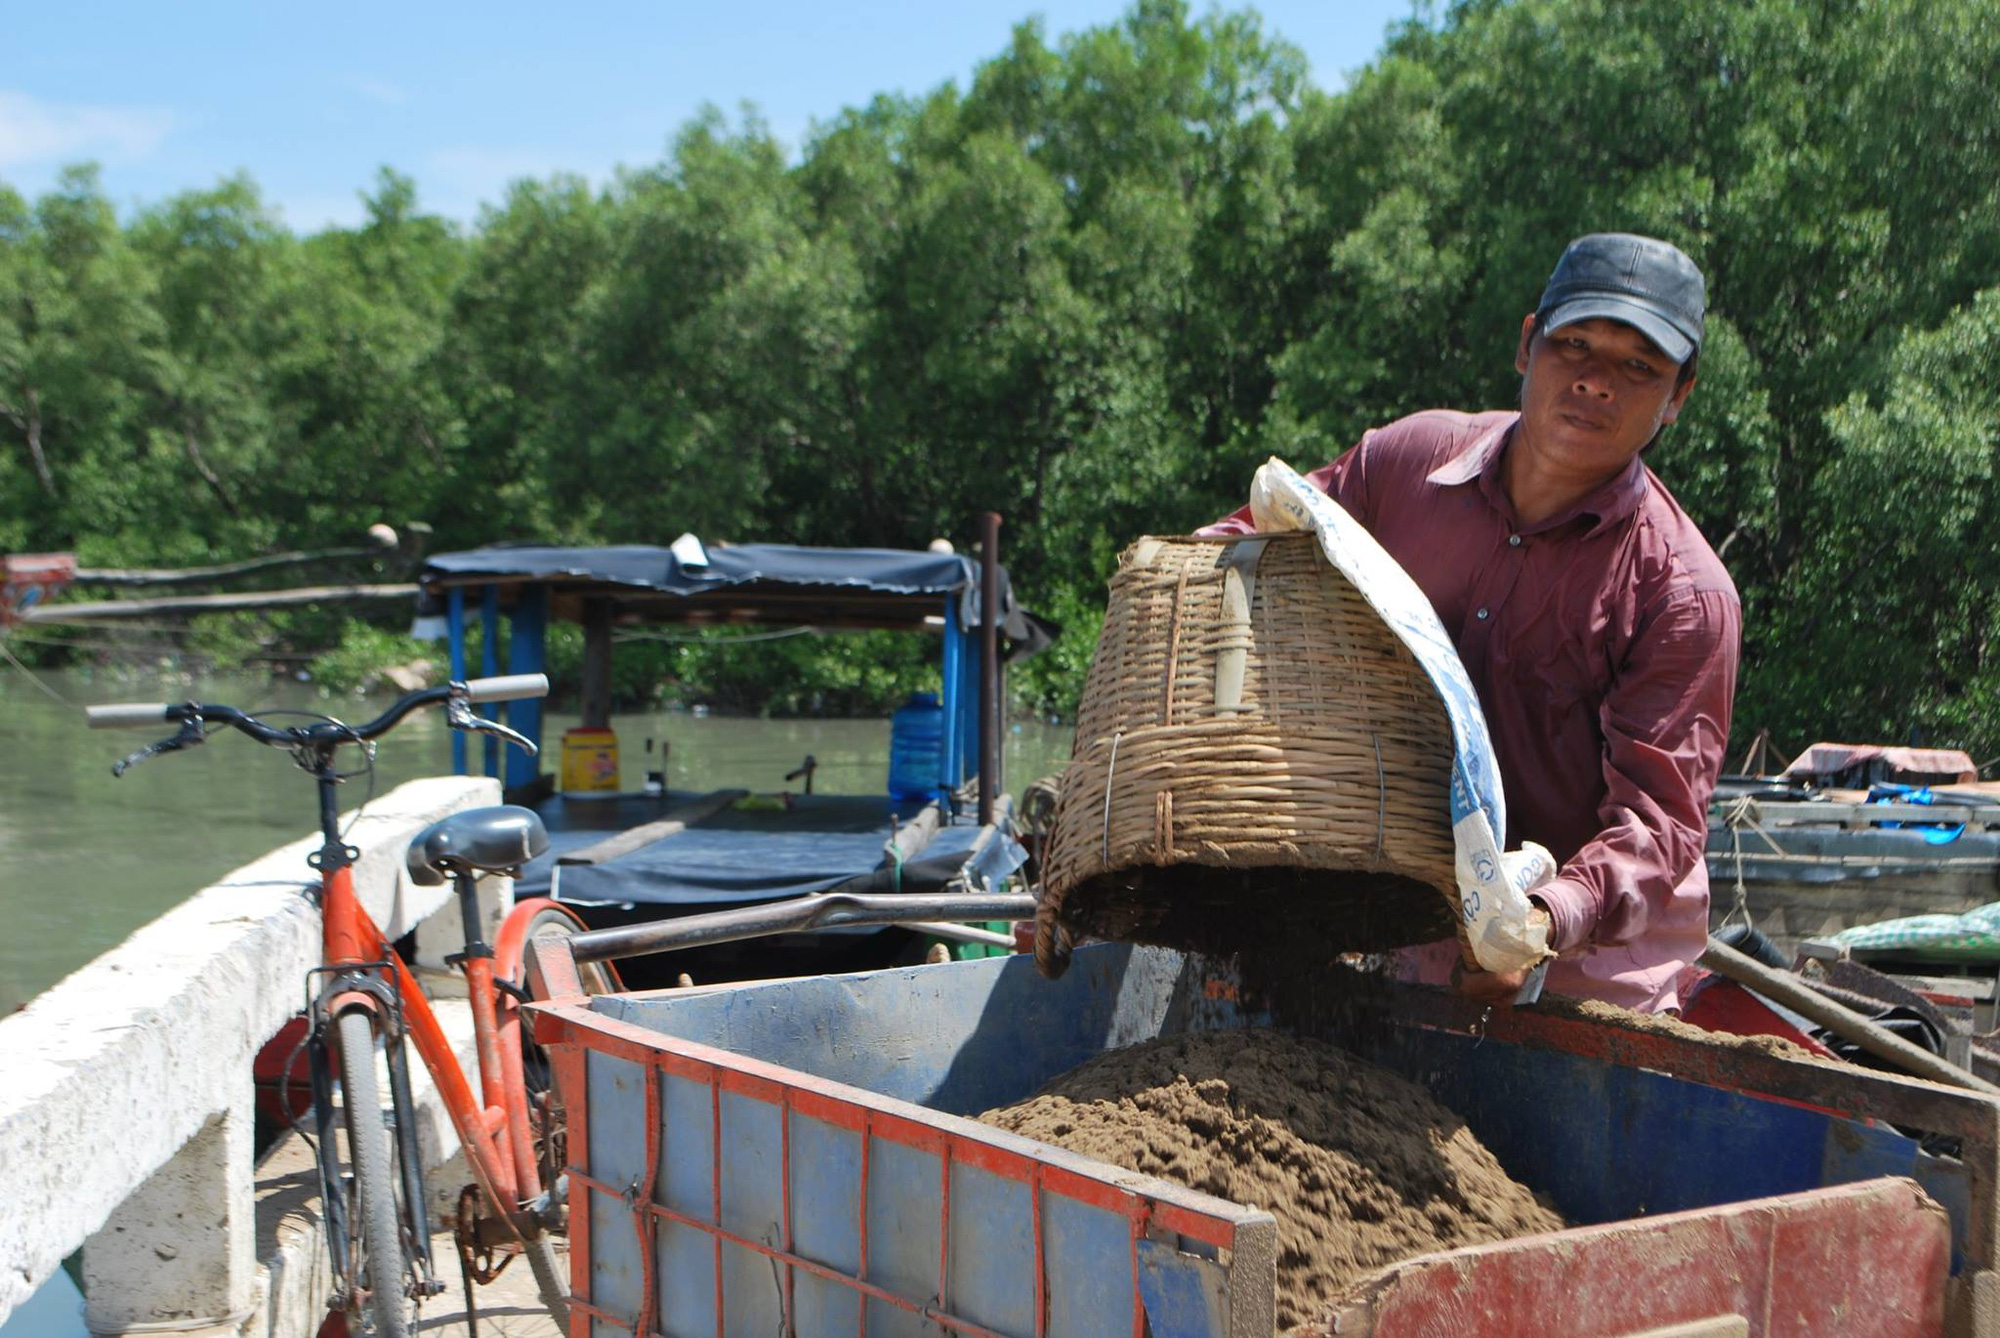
<point>1665,1024</point>
<point>1361,1168</point>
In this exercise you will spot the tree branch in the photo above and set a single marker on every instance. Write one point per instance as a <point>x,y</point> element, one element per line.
<point>31,428</point>
<point>192,445</point>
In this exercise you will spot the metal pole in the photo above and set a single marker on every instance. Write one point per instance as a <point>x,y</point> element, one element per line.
<point>989,665</point>
<point>823,910</point>
<point>959,933</point>
<point>1800,997</point>
<point>455,610</point>
<point>594,703</point>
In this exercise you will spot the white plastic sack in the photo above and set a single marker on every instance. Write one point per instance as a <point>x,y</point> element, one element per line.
<point>1493,884</point>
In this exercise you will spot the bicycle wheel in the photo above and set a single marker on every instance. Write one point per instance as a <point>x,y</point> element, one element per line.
<point>597,977</point>
<point>532,1098</point>
<point>544,1106</point>
<point>379,1266</point>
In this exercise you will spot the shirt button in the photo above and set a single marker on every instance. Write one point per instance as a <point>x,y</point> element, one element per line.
<point>1481,615</point>
<point>1513,541</point>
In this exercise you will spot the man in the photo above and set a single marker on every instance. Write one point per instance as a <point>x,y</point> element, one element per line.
<point>1598,626</point>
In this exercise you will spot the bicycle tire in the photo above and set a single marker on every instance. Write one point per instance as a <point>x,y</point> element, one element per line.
<point>549,1279</point>
<point>596,976</point>
<point>368,1152</point>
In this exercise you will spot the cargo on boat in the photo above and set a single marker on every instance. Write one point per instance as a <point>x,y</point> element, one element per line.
<point>1853,834</point>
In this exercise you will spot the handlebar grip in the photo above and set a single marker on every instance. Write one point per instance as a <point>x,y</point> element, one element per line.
<point>507,687</point>
<point>125,715</point>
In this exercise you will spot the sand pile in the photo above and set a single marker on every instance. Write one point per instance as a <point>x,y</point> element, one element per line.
<point>1360,1167</point>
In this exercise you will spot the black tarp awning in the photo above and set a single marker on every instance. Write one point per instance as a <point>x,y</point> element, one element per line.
<point>746,583</point>
<point>647,567</point>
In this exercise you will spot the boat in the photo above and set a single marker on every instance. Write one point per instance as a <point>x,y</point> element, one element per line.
<point>619,856</point>
<point>1849,835</point>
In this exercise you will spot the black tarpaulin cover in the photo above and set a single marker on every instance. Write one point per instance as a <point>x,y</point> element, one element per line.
<point>645,566</point>
<point>892,571</point>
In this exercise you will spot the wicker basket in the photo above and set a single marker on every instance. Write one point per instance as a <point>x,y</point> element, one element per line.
<point>1258,758</point>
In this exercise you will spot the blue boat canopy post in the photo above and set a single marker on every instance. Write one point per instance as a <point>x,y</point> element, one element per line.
<point>951,757</point>
<point>455,623</point>
<point>527,653</point>
<point>968,704</point>
<point>489,665</point>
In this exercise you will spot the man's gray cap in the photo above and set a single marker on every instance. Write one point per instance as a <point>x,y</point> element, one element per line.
<point>1642,281</point>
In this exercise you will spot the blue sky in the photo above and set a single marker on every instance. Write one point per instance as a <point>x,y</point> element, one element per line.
<point>311,99</point>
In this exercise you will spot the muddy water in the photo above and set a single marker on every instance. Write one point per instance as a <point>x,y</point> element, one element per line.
<point>85,859</point>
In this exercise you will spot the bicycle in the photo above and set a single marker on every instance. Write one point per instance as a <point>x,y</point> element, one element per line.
<point>362,998</point>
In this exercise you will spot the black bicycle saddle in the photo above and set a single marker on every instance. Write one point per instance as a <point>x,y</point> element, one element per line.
<point>480,840</point>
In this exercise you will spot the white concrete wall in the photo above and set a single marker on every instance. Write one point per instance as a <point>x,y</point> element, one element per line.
<point>107,1079</point>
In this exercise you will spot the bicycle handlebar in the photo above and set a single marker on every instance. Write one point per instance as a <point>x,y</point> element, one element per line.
<point>133,715</point>
<point>507,688</point>
<point>125,715</point>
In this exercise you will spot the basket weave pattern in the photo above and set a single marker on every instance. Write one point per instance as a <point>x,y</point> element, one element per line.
<point>1246,709</point>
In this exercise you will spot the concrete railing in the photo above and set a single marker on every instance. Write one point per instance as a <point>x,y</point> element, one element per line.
<point>126,1097</point>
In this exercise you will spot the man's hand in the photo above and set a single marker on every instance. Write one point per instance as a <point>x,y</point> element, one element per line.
<point>1495,987</point>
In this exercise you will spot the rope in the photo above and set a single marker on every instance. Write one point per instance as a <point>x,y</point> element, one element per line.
<point>1742,906</point>
<point>703,638</point>
<point>1741,813</point>
<point>50,692</point>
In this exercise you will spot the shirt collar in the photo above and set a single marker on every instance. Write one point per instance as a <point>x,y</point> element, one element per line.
<point>1611,502</point>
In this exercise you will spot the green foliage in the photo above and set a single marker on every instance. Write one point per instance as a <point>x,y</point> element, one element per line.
<point>1091,290</point>
<point>355,662</point>
<point>864,673</point>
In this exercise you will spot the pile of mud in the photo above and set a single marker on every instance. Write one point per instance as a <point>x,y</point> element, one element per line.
<point>1360,1167</point>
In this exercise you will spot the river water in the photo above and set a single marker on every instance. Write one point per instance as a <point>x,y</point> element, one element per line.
<point>86,859</point>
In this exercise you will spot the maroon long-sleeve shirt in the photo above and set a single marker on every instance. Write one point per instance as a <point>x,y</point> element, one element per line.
<point>1603,643</point>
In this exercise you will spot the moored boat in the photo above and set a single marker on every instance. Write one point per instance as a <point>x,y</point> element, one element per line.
<point>1853,834</point>
<point>620,855</point>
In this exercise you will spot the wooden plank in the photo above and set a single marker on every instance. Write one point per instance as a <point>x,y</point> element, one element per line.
<point>222,571</point>
<point>1863,815</point>
<point>675,820</point>
<point>105,610</point>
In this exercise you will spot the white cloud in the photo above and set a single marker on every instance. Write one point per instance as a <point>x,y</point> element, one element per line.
<point>375,90</point>
<point>33,131</point>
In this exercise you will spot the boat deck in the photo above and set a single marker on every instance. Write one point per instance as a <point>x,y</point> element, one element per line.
<point>704,852</point>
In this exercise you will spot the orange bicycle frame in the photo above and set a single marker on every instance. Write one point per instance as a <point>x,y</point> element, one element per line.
<point>352,940</point>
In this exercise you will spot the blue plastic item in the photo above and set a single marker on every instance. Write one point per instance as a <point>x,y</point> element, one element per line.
<point>916,748</point>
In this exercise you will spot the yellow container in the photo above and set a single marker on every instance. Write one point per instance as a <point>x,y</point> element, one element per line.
<point>589,761</point>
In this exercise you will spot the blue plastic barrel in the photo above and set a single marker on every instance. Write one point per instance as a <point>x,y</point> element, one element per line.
<point>916,748</point>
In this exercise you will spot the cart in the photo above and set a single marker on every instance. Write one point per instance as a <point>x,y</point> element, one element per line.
<point>795,1157</point>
